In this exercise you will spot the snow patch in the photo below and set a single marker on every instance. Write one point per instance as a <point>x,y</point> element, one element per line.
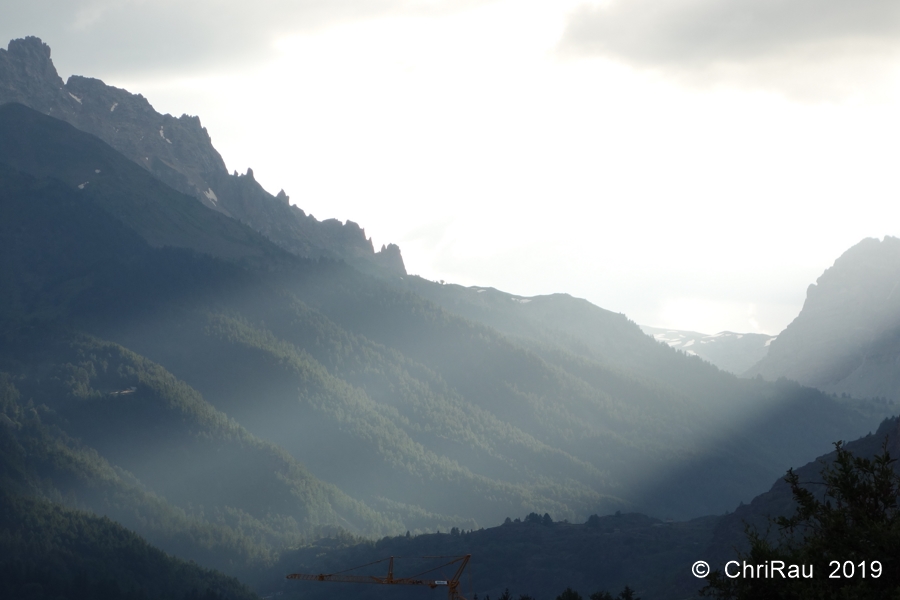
<point>75,98</point>
<point>96,170</point>
<point>480,291</point>
<point>689,343</point>
<point>113,107</point>
<point>670,337</point>
<point>522,300</point>
<point>211,196</point>
<point>162,134</point>
<point>81,187</point>
<point>769,341</point>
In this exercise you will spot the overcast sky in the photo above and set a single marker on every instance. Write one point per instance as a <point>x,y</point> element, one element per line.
<point>695,164</point>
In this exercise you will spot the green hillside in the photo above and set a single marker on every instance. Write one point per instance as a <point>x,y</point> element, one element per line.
<point>50,552</point>
<point>161,461</point>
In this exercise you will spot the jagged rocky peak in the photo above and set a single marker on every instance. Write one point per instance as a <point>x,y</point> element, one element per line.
<point>178,151</point>
<point>34,55</point>
<point>390,258</point>
<point>27,75</point>
<point>284,197</point>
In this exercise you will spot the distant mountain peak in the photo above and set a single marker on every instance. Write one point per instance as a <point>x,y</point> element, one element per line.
<point>389,257</point>
<point>846,338</point>
<point>31,47</point>
<point>27,75</point>
<point>728,350</point>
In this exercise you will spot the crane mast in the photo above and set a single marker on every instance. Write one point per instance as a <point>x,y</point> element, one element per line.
<point>452,583</point>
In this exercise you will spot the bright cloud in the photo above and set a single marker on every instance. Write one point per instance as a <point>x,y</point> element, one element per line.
<point>812,48</point>
<point>128,37</point>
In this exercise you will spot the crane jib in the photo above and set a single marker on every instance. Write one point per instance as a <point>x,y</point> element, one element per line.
<point>451,584</point>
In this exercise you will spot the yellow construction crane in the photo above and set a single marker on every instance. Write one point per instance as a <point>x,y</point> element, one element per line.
<point>452,583</point>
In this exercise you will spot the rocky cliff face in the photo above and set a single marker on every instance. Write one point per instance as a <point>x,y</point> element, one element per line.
<point>180,153</point>
<point>846,338</point>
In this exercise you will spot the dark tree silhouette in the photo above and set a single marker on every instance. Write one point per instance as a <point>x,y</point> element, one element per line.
<point>850,535</point>
<point>569,594</point>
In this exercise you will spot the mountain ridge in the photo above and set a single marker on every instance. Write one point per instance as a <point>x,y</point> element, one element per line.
<point>179,152</point>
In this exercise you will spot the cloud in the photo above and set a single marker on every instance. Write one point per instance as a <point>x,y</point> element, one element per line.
<point>126,37</point>
<point>805,47</point>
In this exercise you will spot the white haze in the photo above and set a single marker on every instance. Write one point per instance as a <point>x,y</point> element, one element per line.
<point>655,167</point>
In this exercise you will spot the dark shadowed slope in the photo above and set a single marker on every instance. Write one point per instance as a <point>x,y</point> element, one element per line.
<point>43,146</point>
<point>50,552</point>
<point>532,555</point>
<point>730,532</point>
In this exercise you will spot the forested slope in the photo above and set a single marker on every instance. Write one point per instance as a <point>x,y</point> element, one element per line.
<point>47,551</point>
<point>406,406</point>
